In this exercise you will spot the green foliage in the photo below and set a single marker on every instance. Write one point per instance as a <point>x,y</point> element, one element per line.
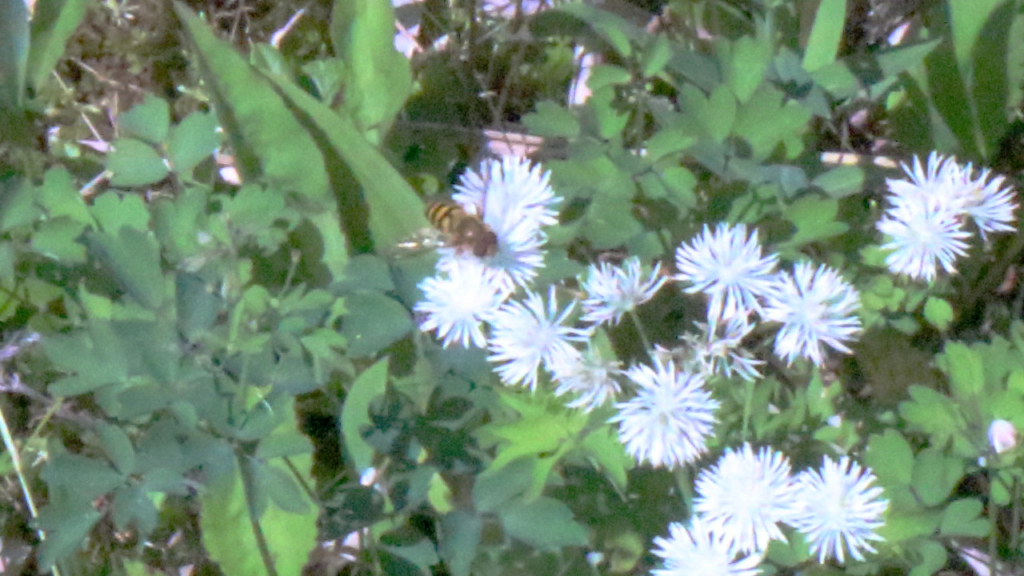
<point>237,362</point>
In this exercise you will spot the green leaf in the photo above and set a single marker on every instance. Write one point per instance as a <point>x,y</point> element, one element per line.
<point>613,29</point>
<point>935,476</point>
<point>493,488</point>
<point>459,540</point>
<point>134,258</point>
<point>837,79</point>
<point>14,46</point>
<point>609,222</point>
<point>966,19</point>
<point>608,454</point>
<point>395,210</point>
<point>543,428</point>
<point>965,369</point>
<point>374,322</point>
<point>267,137</point>
<point>933,556</point>
<point>118,447</point>
<point>149,120</point>
<point>720,114</point>
<point>193,140</point>
<point>938,313</point>
<point>907,525</point>
<point>114,212</point>
<point>378,77</point>
<point>275,480</point>
<point>933,414</point>
<point>290,535</point>
<point>65,537</point>
<point>747,65</point>
<point>666,142</point>
<point>814,219</point>
<point>355,412</point>
<point>135,163</point>
<point>610,120</point>
<point>992,75</point>
<point>132,506</point>
<point>963,518</point>
<point>827,32</point>
<point>765,121</point>
<point>17,206</point>
<point>58,239</point>
<point>545,523</point>
<point>604,75</point>
<point>53,23</point>
<point>657,55</point>
<point>895,61</point>
<point>94,356</point>
<point>552,120</point>
<point>87,477</point>
<point>841,182</point>
<point>949,94</point>
<point>226,526</point>
<point>59,197</point>
<point>890,457</point>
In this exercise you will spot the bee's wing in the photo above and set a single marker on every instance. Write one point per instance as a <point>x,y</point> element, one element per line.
<point>422,241</point>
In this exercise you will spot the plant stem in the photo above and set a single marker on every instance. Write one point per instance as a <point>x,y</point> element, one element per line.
<point>19,471</point>
<point>640,330</point>
<point>748,405</point>
<point>248,482</point>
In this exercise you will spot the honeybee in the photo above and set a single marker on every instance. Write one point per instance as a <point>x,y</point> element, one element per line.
<point>463,231</point>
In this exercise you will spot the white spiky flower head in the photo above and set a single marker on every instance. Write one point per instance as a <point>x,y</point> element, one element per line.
<point>727,265</point>
<point>615,290</point>
<point>457,302</point>
<point>817,308</point>
<point>745,496</point>
<point>526,334</point>
<point>514,198</point>
<point>669,420</point>
<point>840,509</point>
<point>695,549</point>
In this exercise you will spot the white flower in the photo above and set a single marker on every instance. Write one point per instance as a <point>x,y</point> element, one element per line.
<point>941,183</point>
<point>728,267</point>
<point>669,420</point>
<point>590,378</point>
<point>989,204</point>
<point>458,300</point>
<point>922,236</point>
<point>612,290</point>
<point>816,307</point>
<point>744,496</point>
<point>525,334</point>
<point>717,349</point>
<point>515,199</point>
<point>839,509</point>
<point>695,550</point>
<point>1002,436</point>
<point>926,217</point>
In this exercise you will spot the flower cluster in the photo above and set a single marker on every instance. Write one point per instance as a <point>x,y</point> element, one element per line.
<point>515,200</point>
<point>925,221</point>
<point>814,305</point>
<point>743,500</point>
<point>669,415</point>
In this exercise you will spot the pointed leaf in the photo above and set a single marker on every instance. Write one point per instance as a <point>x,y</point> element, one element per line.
<point>53,23</point>
<point>267,137</point>
<point>14,43</point>
<point>355,413</point>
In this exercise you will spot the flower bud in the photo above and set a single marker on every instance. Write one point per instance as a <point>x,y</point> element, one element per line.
<point>1002,436</point>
